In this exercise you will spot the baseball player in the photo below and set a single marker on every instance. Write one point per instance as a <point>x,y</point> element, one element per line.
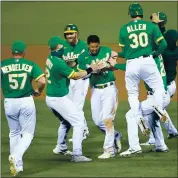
<point>160,18</point>
<point>58,75</point>
<point>152,119</point>
<point>136,39</point>
<point>73,47</point>
<point>17,74</point>
<point>104,95</point>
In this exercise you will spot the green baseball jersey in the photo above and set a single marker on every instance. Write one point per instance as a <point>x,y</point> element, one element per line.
<point>58,74</point>
<point>102,77</point>
<point>160,65</point>
<point>137,38</point>
<point>17,76</point>
<point>170,55</point>
<point>72,53</point>
<point>170,63</point>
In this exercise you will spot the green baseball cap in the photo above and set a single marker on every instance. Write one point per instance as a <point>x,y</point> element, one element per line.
<point>18,47</point>
<point>54,42</point>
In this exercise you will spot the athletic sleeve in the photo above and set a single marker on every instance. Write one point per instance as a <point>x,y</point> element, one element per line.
<point>37,73</point>
<point>64,69</point>
<point>157,35</point>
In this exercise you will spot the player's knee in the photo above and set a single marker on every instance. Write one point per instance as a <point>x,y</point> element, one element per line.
<point>14,133</point>
<point>28,135</point>
<point>108,123</point>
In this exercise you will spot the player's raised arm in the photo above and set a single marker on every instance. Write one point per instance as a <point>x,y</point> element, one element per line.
<point>159,39</point>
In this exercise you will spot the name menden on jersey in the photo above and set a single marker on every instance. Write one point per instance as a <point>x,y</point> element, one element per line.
<point>136,27</point>
<point>16,67</point>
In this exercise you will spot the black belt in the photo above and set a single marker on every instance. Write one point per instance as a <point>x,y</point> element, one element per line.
<point>104,85</point>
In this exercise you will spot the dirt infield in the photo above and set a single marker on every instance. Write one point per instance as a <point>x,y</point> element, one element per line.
<point>38,54</point>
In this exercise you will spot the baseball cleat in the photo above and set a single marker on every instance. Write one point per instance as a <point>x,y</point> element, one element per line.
<point>117,142</point>
<point>147,144</point>
<point>161,114</point>
<point>159,150</point>
<point>106,155</point>
<point>80,159</point>
<point>130,152</point>
<point>59,151</point>
<point>172,136</point>
<point>13,166</point>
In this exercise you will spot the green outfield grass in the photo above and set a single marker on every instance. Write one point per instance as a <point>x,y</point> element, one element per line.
<point>39,161</point>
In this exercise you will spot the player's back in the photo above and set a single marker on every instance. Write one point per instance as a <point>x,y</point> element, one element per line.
<point>16,77</point>
<point>138,37</point>
<point>57,73</point>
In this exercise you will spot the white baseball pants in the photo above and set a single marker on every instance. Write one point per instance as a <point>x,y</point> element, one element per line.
<point>21,117</point>
<point>103,107</point>
<point>66,108</point>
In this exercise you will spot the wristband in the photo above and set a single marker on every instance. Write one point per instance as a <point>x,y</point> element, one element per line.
<point>89,70</point>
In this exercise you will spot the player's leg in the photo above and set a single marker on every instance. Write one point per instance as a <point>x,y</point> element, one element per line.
<point>155,127</point>
<point>132,79</point>
<point>147,108</point>
<point>109,102</point>
<point>150,74</point>
<point>171,88</point>
<point>79,91</point>
<point>75,118</point>
<point>12,112</point>
<point>170,128</point>
<point>61,147</point>
<point>27,119</point>
<point>97,114</point>
<point>133,139</point>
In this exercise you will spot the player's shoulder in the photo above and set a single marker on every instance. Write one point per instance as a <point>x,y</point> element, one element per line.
<point>6,61</point>
<point>82,42</point>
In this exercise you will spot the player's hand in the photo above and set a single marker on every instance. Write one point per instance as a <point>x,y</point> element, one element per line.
<point>112,61</point>
<point>102,65</point>
<point>36,93</point>
<point>155,18</point>
<point>94,67</point>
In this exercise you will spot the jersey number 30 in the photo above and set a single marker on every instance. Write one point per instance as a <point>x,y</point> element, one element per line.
<point>14,83</point>
<point>139,40</point>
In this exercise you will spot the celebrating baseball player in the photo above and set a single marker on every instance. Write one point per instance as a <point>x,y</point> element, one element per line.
<point>73,48</point>
<point>58,75</point>
<point>152,119</point>
<point>104,94</point>
<point>136,39</point>
<point>160,18</point>
<point>17,74</point>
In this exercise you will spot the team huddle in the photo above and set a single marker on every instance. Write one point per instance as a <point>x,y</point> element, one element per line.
<point>151,55</point>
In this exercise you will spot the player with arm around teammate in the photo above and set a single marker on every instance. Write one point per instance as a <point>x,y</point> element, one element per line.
<point>104,95</point>
<point>57,98</point>
<point>73,48</point>
<point>136,39</point>
<point>17,74</point>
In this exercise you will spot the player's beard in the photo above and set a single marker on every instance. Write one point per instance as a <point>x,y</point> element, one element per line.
<point>72,39</point>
